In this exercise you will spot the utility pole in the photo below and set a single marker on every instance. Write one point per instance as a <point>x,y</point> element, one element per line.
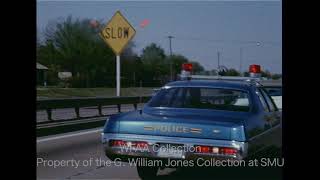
<point>134,79</point>
<point>170,37</point>
<point>240,66</point>
<point>218,64</point>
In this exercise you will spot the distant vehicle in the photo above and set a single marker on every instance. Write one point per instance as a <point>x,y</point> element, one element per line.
<point>191,119</point>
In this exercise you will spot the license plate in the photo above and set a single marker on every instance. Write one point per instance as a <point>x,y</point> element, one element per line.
<point>172,152</point>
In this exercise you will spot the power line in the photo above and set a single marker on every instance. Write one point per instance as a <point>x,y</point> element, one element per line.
<point>229,41</point>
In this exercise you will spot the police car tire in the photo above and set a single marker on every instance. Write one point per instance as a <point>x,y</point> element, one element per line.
<point>147,172</point>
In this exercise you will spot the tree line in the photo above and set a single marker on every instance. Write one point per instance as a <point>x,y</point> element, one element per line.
<point>74,45</point>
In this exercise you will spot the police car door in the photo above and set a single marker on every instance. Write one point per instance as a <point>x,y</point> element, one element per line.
<point>261,133</point>
<point>273,118</point>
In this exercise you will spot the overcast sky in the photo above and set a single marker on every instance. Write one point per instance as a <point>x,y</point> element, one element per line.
<point>201,29</point>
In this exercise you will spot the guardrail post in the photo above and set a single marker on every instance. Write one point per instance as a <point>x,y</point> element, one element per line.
<point>49,113</point>
<point>135,106</point>
<point>77,110</point>
<point>100,110</point>
<point>119,108</point>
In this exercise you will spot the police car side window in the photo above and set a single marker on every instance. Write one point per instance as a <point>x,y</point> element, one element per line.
<point>163,98</point>
<point>178,98</point>
<point>269,101</point>
<point>263,102</point>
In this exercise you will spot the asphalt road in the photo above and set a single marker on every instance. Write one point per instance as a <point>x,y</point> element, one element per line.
<point>73,152</point>
<point>80,148</point>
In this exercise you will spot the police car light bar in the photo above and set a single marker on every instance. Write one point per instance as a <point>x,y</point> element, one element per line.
<point>255,71</point>
<point>187,67</point>
<point>186,71</point>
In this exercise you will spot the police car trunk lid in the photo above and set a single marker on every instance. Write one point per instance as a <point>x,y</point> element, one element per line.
<point>218,125</point>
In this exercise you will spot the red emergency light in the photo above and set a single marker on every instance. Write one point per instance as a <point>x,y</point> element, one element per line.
<point>187,67</point>
<point>254,68</point>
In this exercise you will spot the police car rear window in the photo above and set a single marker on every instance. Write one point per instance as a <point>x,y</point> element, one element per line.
<point>202,98</point>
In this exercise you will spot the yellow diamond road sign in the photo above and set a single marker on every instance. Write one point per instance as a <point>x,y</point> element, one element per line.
<point>117,33</point>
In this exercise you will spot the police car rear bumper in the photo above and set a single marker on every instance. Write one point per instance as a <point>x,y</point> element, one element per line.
<point>154,141</point>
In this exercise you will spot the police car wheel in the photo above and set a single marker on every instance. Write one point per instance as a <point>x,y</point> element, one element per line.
<point>146,172</point>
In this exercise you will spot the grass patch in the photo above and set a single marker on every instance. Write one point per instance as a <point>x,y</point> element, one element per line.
<point>91,92</point>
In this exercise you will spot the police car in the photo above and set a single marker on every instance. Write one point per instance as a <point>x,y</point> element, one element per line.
<point>190,119</point>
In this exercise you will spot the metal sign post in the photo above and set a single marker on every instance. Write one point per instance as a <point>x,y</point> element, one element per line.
<point>117,34</point>
<point>118,75</point>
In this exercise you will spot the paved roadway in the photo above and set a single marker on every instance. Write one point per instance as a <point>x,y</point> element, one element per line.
<point>80,146</point>
<point>84,145</point>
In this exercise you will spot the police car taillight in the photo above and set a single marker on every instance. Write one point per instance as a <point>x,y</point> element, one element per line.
<point>207,149</point>
<point>186,71</point>
<point>118,143</point>
<point>121,143</point>
<point>255,70</point>
<point>216,150</point>
<point>140,144</point>
<point>228,151</point>
<point>203,149</point>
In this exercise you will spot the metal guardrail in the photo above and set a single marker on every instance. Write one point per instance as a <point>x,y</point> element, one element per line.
<point>77,103</point>
<point>271,83</point>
